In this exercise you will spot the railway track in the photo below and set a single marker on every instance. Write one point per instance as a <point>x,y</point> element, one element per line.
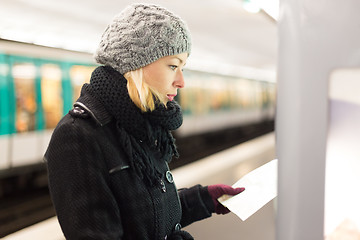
<point>20,211</point>
<point>196,147</point>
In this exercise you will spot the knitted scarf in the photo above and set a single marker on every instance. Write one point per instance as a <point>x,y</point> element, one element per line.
<point>138,131</point>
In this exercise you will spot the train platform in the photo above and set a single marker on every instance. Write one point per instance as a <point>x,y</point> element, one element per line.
<point>224,167</point>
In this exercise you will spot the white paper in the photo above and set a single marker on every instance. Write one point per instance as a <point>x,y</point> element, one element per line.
<point>260,188</point>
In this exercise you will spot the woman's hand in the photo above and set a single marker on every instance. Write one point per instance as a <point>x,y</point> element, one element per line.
<point>216,191</point>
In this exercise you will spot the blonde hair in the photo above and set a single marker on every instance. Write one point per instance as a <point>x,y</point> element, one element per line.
<point>141,93</point>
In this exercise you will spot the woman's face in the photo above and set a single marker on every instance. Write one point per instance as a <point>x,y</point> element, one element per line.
<point>165,75</point>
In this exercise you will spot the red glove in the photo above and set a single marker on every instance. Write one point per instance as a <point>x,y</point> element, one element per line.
<point>217,191</point>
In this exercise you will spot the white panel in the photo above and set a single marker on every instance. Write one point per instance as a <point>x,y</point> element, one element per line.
<point>25,149</point>
<point>314,38</point>
<point>4,151</point>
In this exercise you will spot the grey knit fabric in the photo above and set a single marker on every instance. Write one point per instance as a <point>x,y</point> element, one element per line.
<point>141,34</point>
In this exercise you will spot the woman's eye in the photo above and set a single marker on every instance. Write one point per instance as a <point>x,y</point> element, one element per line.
<point>173,67</point>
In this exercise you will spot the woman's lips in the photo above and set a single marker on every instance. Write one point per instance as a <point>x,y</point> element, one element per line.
<point>171,96</point>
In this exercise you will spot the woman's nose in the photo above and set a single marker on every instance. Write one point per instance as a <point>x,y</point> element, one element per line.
<point>179,81</point>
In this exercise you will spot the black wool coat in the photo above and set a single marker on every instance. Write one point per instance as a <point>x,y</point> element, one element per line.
<point>97,195</point>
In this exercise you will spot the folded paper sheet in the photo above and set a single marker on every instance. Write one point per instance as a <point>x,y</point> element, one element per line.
<point>260,188</point>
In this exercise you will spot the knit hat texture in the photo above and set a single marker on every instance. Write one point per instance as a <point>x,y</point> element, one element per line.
<point>141,34</point>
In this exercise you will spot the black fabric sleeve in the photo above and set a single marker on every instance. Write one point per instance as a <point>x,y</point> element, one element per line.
<point>78,183</point>
<point>196,204</point>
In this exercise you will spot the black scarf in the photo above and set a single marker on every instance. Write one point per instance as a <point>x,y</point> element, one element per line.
<point>138,131</point>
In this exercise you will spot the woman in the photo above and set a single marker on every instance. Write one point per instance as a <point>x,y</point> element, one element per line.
<point>108,158</point>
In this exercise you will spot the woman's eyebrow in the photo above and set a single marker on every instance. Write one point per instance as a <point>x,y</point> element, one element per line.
<point>181,61</point>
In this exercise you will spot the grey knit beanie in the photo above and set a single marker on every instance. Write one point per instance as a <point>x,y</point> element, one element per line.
<point>141,34</point>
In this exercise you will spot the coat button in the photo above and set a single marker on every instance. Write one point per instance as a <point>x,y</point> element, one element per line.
<point>163,187</point>
<point>169,177</point>
<point>177,227</point>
